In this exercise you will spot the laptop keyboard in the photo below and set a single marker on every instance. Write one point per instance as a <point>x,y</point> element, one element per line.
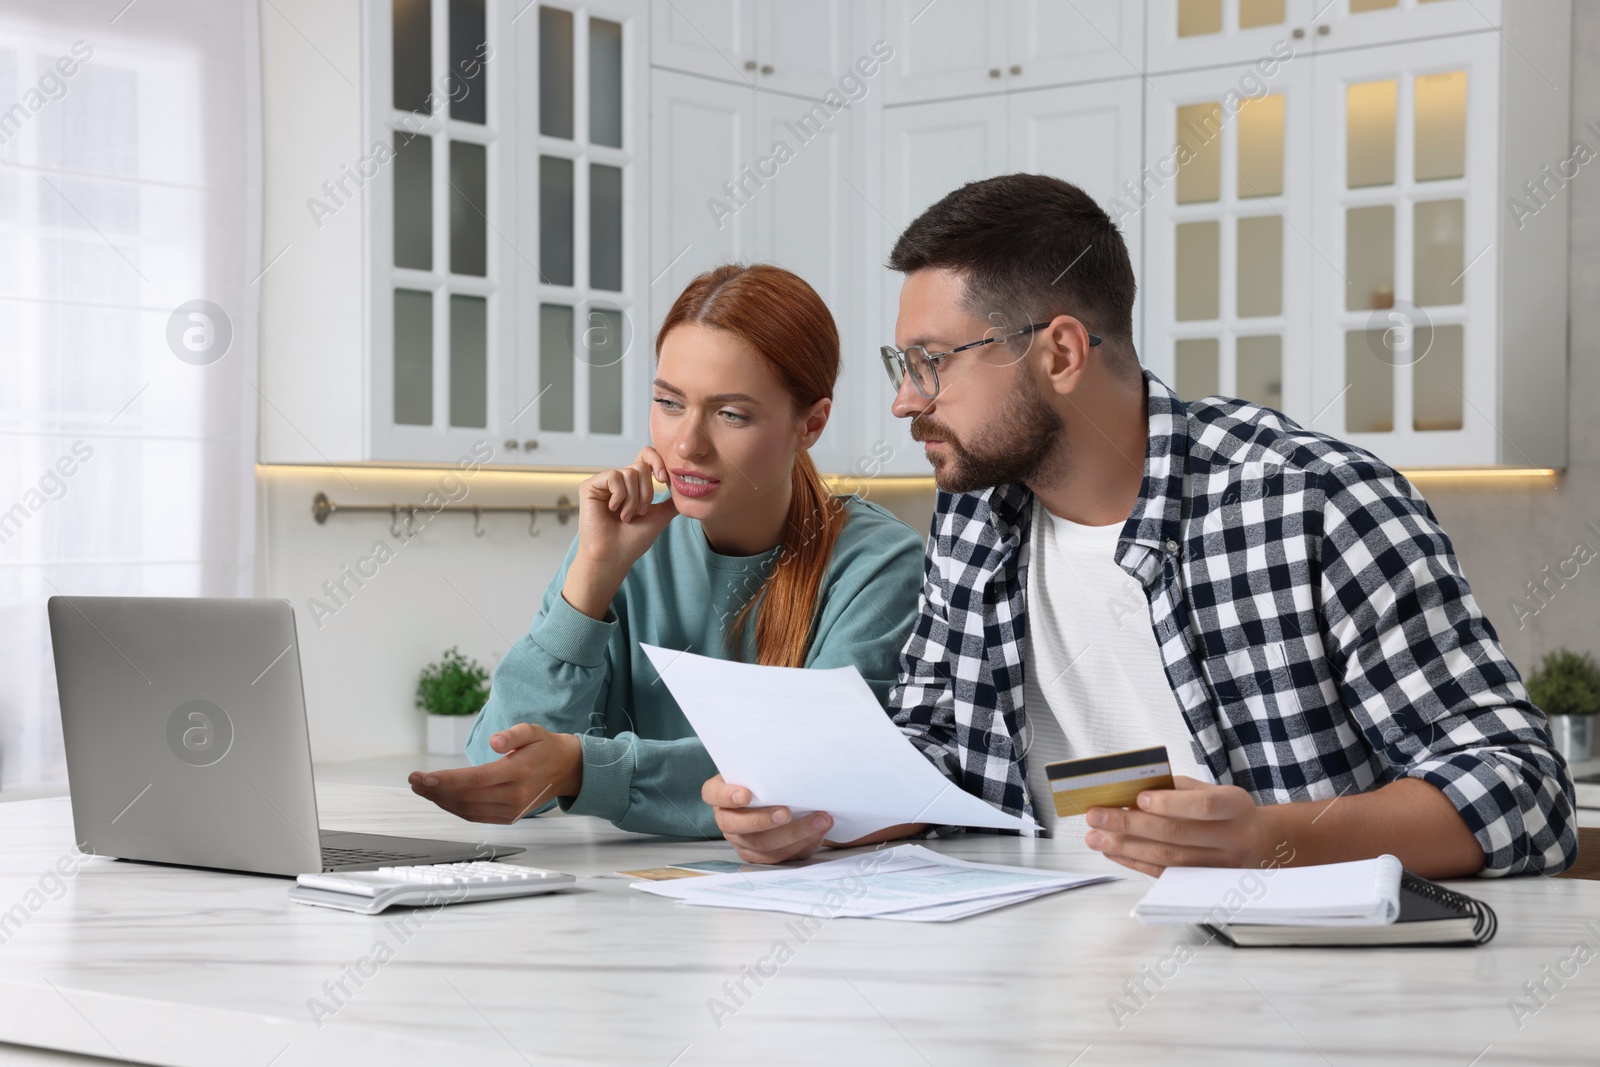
<point>339,857</point>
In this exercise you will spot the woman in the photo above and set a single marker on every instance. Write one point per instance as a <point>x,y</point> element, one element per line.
<point>746,557</point>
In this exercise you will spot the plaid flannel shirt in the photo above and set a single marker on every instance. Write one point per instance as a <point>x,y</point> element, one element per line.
<point>1312,621</point>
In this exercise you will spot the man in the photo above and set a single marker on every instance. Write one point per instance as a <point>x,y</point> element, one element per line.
<point>1111,567</point>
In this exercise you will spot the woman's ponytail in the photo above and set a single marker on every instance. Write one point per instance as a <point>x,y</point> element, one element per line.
<point>788,598</point>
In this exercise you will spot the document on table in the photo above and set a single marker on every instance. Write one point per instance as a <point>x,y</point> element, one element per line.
<point>908,882</point>
<point>816,740</point>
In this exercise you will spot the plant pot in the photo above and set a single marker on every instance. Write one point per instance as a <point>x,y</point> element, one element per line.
<point>447,734</point>
<point>1574,736</point>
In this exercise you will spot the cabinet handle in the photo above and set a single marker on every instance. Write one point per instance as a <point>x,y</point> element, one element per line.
<point>1322,31</point>
<point>749,64</point>
<point>511,446</point>
<point>766,68</point>
<point>1016,69</point>
<point>1299,32</point>
<point>994,72</point>
<point>530,444</point>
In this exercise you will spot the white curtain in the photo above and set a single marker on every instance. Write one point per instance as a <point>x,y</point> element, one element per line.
<point>130,220</point>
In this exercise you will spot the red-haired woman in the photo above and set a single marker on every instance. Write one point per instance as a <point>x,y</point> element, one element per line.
<point>746,557</point>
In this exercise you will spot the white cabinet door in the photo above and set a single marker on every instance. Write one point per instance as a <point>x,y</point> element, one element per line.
<point>800,225</point>
<point>1089,135</point>
<point>1228,204</point>
<point>943,49</point>
<point>782,45</point>
<point>1190,34</point>
<point>1404,293</point>
<point>713,38</point>
<point>928,150</point>
<point>1055,43</point>
<point>801,48</point>
<point>704,184</point>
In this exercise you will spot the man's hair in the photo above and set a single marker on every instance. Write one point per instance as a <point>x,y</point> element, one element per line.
<point>1031,247</point>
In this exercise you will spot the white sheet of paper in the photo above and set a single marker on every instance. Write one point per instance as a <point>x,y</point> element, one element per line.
<point>907,882</point>
<point>816,740</point>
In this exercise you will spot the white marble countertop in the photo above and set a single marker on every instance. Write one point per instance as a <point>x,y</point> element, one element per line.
<point>172,965</point>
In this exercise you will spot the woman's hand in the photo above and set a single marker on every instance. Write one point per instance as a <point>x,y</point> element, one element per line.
<point>536,766</point>
<point>617,523</point>
<point>763,835</point>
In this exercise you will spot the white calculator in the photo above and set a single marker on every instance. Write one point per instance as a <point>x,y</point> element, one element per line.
<point>424,885</point>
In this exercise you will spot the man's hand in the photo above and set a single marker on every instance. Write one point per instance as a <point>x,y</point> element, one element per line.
<point>763,835</point>
<point>537,765</point>
<point>1195,825</point>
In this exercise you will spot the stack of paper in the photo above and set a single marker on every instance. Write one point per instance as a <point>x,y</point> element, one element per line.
<point>816,740</point>
<point>908,882</point>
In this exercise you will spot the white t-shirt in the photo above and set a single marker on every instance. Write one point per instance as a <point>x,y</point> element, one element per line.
<point>1093,679</point>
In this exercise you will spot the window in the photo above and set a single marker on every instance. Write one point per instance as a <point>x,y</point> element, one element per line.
<point>127,414</point>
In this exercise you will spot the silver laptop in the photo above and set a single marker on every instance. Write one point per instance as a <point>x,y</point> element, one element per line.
<point>184,721</point>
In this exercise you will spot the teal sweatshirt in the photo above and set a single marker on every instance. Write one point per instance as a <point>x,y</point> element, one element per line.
<point>643,766</point>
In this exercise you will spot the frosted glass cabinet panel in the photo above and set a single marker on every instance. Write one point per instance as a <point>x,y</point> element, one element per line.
<point>413,201</point>
<point>1369,125</point>
<point>605,82</point>
<point>438,308</point>
<point>506,222</point>
<point>583,360</point>
<point>556,61</point>
<point>1227,296</point>
<point>1407,197</point>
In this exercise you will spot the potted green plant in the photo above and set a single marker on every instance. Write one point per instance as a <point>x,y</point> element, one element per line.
<point>452,692</point>
<point>1567,688</point>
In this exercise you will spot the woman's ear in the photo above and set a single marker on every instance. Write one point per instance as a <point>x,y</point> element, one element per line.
<point>812,421</point>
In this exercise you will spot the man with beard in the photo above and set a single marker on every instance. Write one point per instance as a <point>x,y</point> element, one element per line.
<point>1112,568</point>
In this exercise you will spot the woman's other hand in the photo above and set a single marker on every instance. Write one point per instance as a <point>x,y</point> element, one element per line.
<point>535,765</point>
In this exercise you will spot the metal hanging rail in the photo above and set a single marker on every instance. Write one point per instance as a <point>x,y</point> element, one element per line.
<point>322,507</point>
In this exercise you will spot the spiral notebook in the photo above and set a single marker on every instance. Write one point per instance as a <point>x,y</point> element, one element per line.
<point>1366,902</point>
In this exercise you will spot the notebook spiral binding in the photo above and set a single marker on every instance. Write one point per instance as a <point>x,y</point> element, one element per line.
<point>1485,922</point>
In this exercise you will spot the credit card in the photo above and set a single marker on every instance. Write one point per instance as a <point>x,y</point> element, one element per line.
<point>697,869</point>
<point>1110,781</point>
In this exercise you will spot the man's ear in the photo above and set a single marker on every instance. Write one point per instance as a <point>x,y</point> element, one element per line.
<point>1065,344</point>
<point>813,421</point>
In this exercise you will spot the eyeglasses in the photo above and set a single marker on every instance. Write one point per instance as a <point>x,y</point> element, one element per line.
<point>923,365</point>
